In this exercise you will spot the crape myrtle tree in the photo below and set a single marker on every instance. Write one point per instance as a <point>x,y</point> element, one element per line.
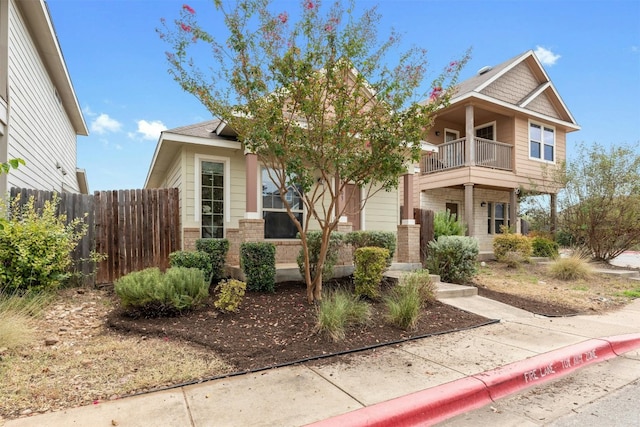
<point>600,205</point>
<point>320,99</point>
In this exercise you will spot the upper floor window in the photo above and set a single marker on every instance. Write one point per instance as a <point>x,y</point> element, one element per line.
<point>486,131</point>
<point>277,223</point>
<point>542,141</point>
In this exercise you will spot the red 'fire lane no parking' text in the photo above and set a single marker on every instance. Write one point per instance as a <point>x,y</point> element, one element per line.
<point>559,365</point>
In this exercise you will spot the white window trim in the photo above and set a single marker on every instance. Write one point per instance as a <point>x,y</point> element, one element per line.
<point>197,217</point>
<point>542,144</point>
<point>261,208</point>
<point>486,125</point>
<point>456,132</point>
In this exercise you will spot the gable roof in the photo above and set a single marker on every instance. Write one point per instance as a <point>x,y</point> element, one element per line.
<point>537,97</point>
<point>36,14</point>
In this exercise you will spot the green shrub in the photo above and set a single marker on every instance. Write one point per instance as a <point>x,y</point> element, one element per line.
<point>339,309</point>
<point>446,224</point>
<point>314,240</point>
<point>153,294</point>
<point>453,258</point>
<point>258,262</point>
<point>571,268</point>
<point>379,239</point>
<point>543,247</point>
<point>508,242</point>
<point>230,294</point>
<point>36,247</point>
<point>217,250</point>
<point>370,264</point>
<point>191,259</point>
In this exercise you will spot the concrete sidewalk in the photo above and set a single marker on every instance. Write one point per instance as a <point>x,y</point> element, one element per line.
<point>517,353</point>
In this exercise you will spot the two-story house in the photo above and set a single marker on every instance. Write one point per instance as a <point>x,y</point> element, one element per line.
<point>504,129</point>
<point>40,117</point>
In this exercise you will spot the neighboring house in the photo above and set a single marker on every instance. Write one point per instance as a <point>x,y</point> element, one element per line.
<point>40,117</point>
<point>503,128</point>
<point>226,193</point>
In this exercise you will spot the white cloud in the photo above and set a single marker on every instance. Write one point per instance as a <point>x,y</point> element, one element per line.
<point>87,110</point>
<point>150,130</point>
<point>104,124</point>
<point>545,56</point>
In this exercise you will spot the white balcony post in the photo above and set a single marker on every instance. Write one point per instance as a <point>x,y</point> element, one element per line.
<point>469,152</point>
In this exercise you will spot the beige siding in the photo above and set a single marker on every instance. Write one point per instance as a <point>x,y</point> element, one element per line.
<point>543,105</point>
<point>382,212</point>
<point>40,131</point>
<point>514,86</point>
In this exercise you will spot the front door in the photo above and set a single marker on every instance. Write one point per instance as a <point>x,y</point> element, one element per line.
<point>352,207</point>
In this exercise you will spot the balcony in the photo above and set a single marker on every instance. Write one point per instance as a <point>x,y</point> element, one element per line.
<point>453,154</point>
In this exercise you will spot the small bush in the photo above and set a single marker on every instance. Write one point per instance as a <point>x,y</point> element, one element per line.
<point>509,242</point>
<point>217,250</point>
<point>230,294</point>
<point>36,247</point>
<point>339,309</point>
<point>258,262</point>
<point>404,306</point>
<point>422,281</point>
<point>191,259</point>
<point>314,240</point>
<point>453,258</point>
<point>571,268</point>
<point>446,224</point>
<point>544,247</point>
<point>379,239</point>
<point>370,264</point>
<point>153,294</point>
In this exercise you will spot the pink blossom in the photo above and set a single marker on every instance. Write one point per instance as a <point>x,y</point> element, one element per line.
<point>283,17</point>
<point>188,8</point>
<point>435,92</point>
<point>185,27</point>
<point>328,28</point>
<point>308,5</point>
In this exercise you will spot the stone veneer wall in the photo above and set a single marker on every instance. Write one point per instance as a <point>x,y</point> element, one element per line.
<point>190,235</point>
<point>408,245</point>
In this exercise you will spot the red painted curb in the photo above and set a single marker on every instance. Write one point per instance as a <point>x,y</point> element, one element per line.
<point>439,403</point>
<point>431,405</point>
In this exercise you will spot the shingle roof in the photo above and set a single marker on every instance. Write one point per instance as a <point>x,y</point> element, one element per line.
<point>202,129</point>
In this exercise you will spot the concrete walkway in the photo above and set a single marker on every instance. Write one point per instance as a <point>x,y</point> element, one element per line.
<point>438,377</point>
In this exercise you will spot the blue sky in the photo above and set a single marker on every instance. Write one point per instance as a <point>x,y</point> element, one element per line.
<point>590,49</point>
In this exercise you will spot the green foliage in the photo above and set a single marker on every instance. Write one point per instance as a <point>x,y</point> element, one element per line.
<point>230,294</point>
<point>570,268</point>
<point>36,247</point>
<point>453,258</point>
<point>512,247</point>
<point>370,264</point>
<point>151,293</point>
<point>340,309</point>
<point>217,250</point>
<point>258,262</point>
<point>632,293</point>
<point>446,224</point>
<point>380,239</point>
<point>543,247</point>
<point>5,167</point>
<point>421,280</point>
<point>314,240</point>
<point>272,73</point>
<point>191,259</point>
<point>600,206</point>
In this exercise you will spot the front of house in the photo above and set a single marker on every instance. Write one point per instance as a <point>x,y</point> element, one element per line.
<point>503,132</point>
<point>226,193</point>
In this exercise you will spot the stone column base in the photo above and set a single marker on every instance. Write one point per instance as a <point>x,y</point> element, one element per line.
<point>408,244</point>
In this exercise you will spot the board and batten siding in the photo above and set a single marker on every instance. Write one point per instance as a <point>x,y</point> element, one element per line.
<point>40,131</point>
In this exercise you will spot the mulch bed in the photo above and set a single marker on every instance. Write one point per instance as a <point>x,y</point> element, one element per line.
<point>279,328</point>
<point>533,306</point>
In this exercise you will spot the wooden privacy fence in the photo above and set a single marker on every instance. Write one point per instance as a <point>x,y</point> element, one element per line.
<point>425,219</point>
<point>134,229</point>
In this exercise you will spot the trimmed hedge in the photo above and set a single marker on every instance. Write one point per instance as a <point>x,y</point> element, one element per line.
<point>508,246</point>
<point>370,264</point>
<point>453,258</point>
<point>258,262</point>
<point>191,259</point>
<point>543,247</point>
<point>379,239</point>
<point>217,250</point>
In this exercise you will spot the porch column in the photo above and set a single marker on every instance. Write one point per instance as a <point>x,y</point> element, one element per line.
<point>513,209</point>
<point>470,146</point>
<point>554,213</point>
<point>407,209</point>
<point>468,208</point>
<point>251,173</point>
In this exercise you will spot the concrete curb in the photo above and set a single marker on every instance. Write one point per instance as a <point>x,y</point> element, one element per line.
<point>439,403</point>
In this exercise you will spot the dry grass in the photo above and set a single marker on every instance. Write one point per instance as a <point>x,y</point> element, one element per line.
<point>91,363</point>
<point>17,326</point>
<point>596,292</point>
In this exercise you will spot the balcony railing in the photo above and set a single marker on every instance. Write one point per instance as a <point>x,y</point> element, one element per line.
<point>452,154</point>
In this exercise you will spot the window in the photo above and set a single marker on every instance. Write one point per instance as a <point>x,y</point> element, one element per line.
<point>486,131</point>
<point>542,142</point>
<point>212,199</point>
<point>498,215</point>
<point>277,224</point>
